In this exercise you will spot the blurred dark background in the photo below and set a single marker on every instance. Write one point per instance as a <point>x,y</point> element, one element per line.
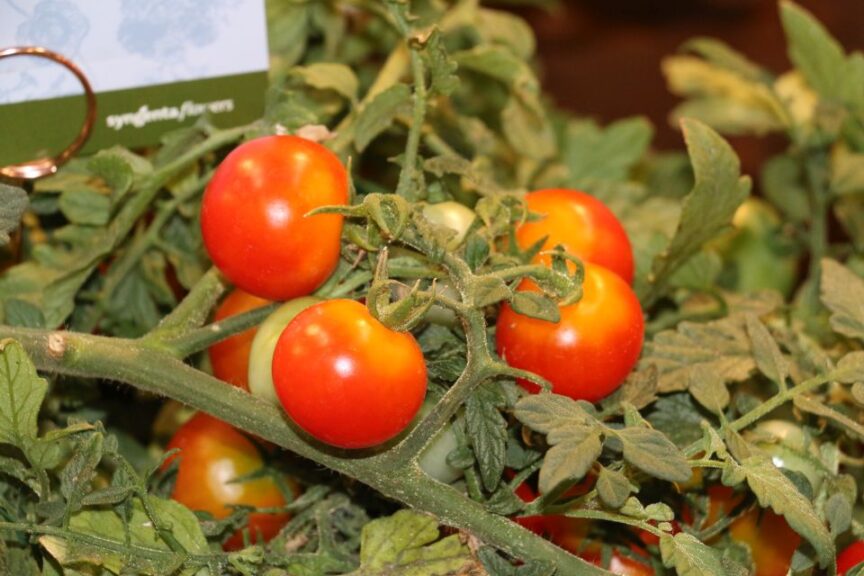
<point>601,58</point>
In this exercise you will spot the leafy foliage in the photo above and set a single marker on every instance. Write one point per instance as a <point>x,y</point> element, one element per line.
<point>436,101</point>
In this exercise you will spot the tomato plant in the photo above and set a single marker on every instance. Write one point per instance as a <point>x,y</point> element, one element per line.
<point>230,357</point>
<point>589,352</point>
<point>347,379</point>
<point>264,343</point>
<point>213,458</point>
<point>582,224</point>
<point>851,556</point>
<point>255,222</point>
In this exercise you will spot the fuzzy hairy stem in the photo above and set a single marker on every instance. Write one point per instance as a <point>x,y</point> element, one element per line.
<point>157,371</point>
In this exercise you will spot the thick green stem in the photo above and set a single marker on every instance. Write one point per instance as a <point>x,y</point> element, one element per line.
<point>157,371</point>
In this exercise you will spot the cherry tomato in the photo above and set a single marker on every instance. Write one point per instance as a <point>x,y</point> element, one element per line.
<point>212,454</point>
<point>261,355</point>
<point>851,556</point>
<point>345,378</point>
<point>253,216</point>
<point>770,539</point>
<point>590,351</point>
<point>230,357</point>
<point>452,215</point>
<point>583,225</point>
<point>536,524</point>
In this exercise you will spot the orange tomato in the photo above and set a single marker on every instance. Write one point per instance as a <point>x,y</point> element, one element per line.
<point>583,225</point>
<point>770,539</point>
<point>230,357</point>
<point>212,455</point>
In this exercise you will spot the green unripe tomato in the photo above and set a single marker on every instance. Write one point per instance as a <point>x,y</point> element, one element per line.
<point>789,448</point>
<point>433,460</point>
<point>452,215</point>
<point>264,343</point>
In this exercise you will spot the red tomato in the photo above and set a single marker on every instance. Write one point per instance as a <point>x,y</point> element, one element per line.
<point>850,557</point>
<point>583,225</point>
<point>253,216</point>
<point>536,524</point>
<point>590,351</point>
<point>770,539</point>
<point>230,357</point>
<point>212,454</point>
<point>345,378</point>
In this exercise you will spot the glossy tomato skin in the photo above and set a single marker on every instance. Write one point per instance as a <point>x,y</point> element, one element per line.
<point>345,378</point>
<point>253,216</point>
<point>212,454</point>
<point>585,226</point>
<point>230,357</point>
<point>770,539</point>
<point>850,557</point>
<point>590,351</point>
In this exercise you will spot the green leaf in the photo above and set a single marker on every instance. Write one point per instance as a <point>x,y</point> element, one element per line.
<point>504,28</point>
<point>571,457</point>
<point>499,63</point>
<point>709,390</point>
<point>77,475</point>
<point>720,347</point>
<point>407,544</point>
<point>442,69</point>
<point>591,153</point>
<point>146,553</point>
<point>613,488</point>
<point>707,211</point>
<point>650,451</point>
<point>115,170</point>
<point>535,305</point>
<point>766,352</point>
<point>552,414</point>
<point>488,290</point>
<point>487,432</point>
<point>689,556</point>
<point>13,203</point>
<point>781,181</point>
<point>23,313</point>
<point>528,129</point>
<point>818,56</point>
<point>86,207</point>
<point>843,295</point>
<point>21,395</point>
<point>376,116</point>
<point>722,55</point>
<point>330,76</point>
<point>773,489</point>
<point>807,404</point>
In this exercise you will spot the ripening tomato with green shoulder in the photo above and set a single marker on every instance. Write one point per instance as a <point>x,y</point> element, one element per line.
<point>770,539</point>
<point>850,557</point>
<point>255,216</point>
<point>264,344</point>
<point>582,224</point>
<point>212,457</point>
<point>590,351</point>
<point>347,379</point>
<point>230,357</point>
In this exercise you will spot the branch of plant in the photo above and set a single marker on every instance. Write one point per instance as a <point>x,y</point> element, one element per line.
<point>154,370</point>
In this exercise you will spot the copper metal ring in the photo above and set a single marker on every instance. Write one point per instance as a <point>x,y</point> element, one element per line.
<point>49,165</point>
